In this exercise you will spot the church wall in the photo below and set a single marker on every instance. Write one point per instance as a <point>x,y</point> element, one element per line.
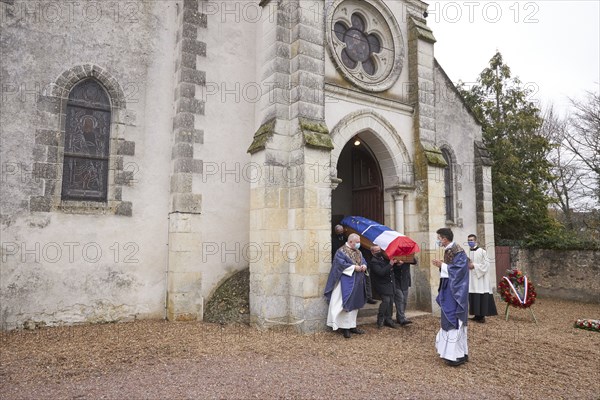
<point>232,94</point>
<point>86,265</point>
<point>457,129</point>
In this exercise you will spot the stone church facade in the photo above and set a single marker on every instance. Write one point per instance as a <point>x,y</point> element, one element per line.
<point>151,149</point>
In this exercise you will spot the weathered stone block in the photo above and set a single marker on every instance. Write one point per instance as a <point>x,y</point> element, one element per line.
<point>51,187</point>
<point>190,5</point>
<point>188,60</point>
<point>49,104</point>
<point>191,105</point>
<point>193,47</point>
<point>189,31</point>
<point>124,208</point>
<point>187,202</point>
<point>190,75</point>
<point>187,165</point>
<point>186,282</point>
<point>47,170</point>
<point>54,154</point>
<point>189,136</point>
<point>182,150</point>
<point>181,183</point>
<point>184,120</point>
<point>126,148</point>
<point>40,203</point>
<point>118,193</point>
<point>185,90</point>
<point>123,177</point>
<point>47,137</point>
<point>194,17</point>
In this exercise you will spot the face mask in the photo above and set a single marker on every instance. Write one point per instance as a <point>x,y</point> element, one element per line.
<point>472,244</point>
<point>439,242</point>
<point>357,246</point>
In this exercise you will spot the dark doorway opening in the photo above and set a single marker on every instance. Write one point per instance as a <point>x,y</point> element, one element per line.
<point>361,190</point>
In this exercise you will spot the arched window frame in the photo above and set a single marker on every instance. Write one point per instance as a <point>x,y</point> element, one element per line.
<point>49,147</point>
<point>86,154</point>
<point>449,186</point>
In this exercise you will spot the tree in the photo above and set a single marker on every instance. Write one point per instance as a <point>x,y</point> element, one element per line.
<point>583,139</point>
<point>566,188</point>
<point>576,165</point>
<point>521,172</point>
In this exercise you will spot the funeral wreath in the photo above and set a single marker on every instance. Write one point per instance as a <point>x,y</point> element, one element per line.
<point>516,290</point>
<point>588,324</point>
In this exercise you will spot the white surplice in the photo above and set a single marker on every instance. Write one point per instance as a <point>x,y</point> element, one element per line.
<point>337,318</point>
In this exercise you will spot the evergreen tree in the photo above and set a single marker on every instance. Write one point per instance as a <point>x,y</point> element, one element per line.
<point>520,170</point>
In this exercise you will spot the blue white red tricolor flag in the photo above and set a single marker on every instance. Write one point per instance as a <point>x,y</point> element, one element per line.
<point>390,241</point>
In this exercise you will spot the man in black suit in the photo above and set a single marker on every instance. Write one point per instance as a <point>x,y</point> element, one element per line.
<point>382,278</point>
<point>402,282</point>
<point>338,239</point>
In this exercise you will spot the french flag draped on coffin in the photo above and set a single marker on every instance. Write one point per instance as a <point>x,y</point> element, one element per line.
<point>391,242</point>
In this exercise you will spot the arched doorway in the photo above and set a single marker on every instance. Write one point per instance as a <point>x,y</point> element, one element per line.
<point>361,189</point>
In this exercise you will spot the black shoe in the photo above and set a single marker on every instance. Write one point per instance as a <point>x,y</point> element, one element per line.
<point>464,359</point>
<point>371,301</point>
<point>406,322</point>
<point>357,331</point>
<point>390,324</point>
<point>379,324</point>
<point>346,333</point>
<point>459,361</point>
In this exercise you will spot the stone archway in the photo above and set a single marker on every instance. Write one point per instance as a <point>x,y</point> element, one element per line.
<point>388,150</point>
<point>383,140</point>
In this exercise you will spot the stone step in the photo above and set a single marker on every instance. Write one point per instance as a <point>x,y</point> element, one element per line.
<point>368,314</point>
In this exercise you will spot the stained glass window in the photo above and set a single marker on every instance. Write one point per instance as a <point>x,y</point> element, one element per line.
<point>360,45</point>
<point>87,138</point>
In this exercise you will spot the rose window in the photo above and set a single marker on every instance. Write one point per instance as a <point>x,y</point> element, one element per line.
<point>366,43</point>
<point>360,45</point>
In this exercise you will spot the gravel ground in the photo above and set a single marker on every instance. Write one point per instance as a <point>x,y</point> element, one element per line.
<point>160,360</point>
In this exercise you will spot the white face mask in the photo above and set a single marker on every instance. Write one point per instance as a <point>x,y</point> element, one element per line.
<point>357,246</point>
<point>439,243</point>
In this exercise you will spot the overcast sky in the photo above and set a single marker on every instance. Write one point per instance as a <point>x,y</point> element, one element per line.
<point>553,46</point>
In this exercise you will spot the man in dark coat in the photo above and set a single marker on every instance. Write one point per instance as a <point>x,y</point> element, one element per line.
<point>382,278</point>
<point>402,282</point>
<point>338,239</point>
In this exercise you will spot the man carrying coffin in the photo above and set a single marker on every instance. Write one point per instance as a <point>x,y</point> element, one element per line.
<point>453,298</point>
<point>345,290</point>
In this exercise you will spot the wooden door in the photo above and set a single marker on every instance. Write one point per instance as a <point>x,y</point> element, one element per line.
<point>367,184</point>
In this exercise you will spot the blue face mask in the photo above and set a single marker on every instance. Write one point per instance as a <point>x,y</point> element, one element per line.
<point>439,242</point>
<point>472,244</point>
<point>357,246</point>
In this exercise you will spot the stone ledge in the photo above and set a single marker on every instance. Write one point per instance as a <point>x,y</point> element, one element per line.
<point>434,156</point>
<point>262,136</point>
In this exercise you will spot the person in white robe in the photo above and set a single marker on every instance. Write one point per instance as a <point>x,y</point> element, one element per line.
<point>345,289</point>
<point>481,298</point>
<point>453,299</point>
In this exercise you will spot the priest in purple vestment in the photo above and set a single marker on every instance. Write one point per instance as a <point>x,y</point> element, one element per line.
<point>345,290</point>
<point>453,299</point>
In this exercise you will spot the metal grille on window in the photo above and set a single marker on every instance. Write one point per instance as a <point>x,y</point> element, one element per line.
<point>87,138</point>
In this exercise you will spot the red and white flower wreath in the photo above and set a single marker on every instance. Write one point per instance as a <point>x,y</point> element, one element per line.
<point>516,290</point>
